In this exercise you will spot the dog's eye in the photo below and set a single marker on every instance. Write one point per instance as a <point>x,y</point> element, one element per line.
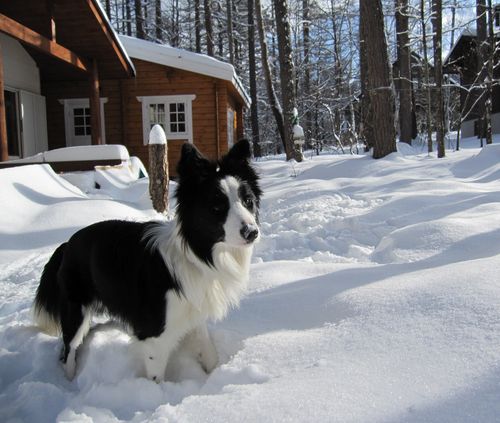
<point>248,202</point>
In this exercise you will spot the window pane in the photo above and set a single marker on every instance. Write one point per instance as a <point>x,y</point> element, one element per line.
<point>79,120</point>
<point>78,112</point>
<point>88,130</point>
<point>172,107</point>
<point>182,127</point>
<point>180,107</point>
<point>87,120</point>
<point>173,127</point>
<point>161,108</point>
<point>173,117</point>
<point>86,111</point>
<point>79,130</point>
<point>181,117</point>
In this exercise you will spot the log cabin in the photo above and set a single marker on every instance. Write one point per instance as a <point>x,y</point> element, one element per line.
<point>119,91</point>
<point>43,43</point>
<point>462,61</point>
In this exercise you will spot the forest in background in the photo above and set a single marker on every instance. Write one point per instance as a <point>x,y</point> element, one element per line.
<point>355,73</point>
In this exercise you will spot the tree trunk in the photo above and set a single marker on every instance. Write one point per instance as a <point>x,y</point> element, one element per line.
<point>437,9</point>
<point>286,76</point>
<point>481,52</point>
<point>108,9</point>
<point>129,17</point>
<point>378,78</point>
<point>271,93</point>
<point>490,74</point>
<point>254,114</point>
<point>230,40</point>
<point>427,78</point>
<point>366,124</point>
<point>158,23</point>
<point>208,27</point>
<point>197,26</point>
<point>306,92</point>
<point>404,66</point>
<point>139,20</point>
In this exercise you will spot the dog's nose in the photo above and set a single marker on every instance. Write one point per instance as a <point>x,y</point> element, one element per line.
<point>249,233</point>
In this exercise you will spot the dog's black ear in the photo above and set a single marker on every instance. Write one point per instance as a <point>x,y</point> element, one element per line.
<point>240,151</point>
<point>192,164</point>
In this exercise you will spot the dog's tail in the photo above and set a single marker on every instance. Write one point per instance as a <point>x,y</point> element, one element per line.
<point>46,307</point>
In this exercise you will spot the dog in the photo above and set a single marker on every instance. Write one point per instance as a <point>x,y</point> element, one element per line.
<point>163,281</point>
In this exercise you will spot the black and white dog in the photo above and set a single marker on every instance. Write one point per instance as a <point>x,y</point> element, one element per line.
<point>163,281</point>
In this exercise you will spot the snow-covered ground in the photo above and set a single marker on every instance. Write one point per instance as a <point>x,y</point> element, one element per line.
<point>374,297</point>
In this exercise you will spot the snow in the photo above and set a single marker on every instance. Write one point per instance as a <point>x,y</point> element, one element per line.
<point>157,135</point>
<point>374,297</point>
<point>79,153</point>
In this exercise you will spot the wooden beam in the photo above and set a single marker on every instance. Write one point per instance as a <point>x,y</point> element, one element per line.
<point>95,106</point>
<point>4,146</point>
<point>34,39</point>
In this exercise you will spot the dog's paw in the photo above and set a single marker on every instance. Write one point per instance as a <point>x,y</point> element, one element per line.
<point>209,359</point>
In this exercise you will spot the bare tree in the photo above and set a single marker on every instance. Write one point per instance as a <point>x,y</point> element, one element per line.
<point>481,52</point>
<point>139,20</point>
<point>208,27</point>
<point>404,68</point>
<point>490,74</point>
<point>158,21</point>
<point>437,18</point>
<point>286,76</point>
<point>271,93</point>
<point>254,113</point>
<point>378,78</point>
<point>307,72</point>
<point>427,82</point>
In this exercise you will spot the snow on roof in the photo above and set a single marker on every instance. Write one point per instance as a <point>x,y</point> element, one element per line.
<point>182,59</point>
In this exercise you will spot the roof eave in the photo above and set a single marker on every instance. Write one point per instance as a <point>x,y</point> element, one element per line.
<point>129,66</point>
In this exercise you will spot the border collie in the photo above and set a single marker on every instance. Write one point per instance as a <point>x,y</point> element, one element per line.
<point>163,281</point>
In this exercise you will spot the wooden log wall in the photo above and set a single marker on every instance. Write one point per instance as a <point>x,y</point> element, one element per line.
<point>123,112</point>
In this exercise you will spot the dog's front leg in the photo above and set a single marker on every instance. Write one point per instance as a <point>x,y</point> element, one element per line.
<point>155,354</point>
<point>200,341</point>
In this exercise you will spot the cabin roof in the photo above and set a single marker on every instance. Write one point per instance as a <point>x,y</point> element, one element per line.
<point>182,59</point>
<point>465,44</point>
<point>80,26</point>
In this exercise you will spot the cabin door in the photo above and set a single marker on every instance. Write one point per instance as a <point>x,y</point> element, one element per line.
<point>34,123</point>
<point>77,121</point>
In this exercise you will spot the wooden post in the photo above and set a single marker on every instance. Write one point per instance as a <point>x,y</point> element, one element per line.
<point>158,169</point>
<point>95,106</point>
<point>4,146</point>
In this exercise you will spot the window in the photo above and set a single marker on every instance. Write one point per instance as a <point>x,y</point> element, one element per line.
<point>177,118</point>
<point>81,121</point>
<point>173,113</point>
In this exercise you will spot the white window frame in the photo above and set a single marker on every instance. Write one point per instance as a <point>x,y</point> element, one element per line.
<point>71,103</point>
<point>167,100</point>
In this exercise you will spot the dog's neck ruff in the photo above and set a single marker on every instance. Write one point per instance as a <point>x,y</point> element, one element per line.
<point>211,290</point>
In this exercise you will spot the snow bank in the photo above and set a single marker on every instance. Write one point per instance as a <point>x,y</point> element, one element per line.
<point>374,296</point>
<point>41,209</point>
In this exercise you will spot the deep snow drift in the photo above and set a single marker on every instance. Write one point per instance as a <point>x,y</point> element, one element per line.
<point>374,296</point>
